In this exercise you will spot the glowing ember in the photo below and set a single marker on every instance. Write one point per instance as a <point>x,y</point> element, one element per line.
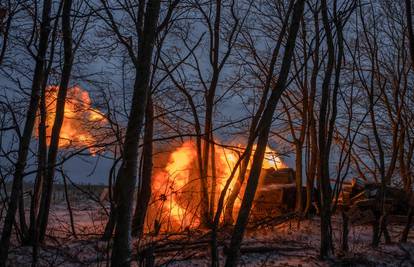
<point>176,187</point>
<point>81,122</point>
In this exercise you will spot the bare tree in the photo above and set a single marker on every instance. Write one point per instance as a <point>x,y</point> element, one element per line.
<point>144,190</point>
<point>324,143</point>
<point>403,165</point>
<point>58,122</point>
<point>146,32</point>
<point>27,132</point>
<point>263,129</point>
<point>269,79</point>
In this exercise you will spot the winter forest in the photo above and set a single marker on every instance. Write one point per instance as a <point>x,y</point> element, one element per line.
<point>206,133</point>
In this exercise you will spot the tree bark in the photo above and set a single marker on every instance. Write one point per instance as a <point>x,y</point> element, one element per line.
<point>408,13</point>
<point>127,174</point>
<point>22,216</point>
<point>407,227</point>
<point>325,140</point>
<point>72,221</point>
<point>298,177</point>
<point>27,133</point>
<point>345,231</point>
<point>312,167</point>
<point>210,94</point>
<point>110,225</point>
<point>408,180</point>
<point>42,155</point>
<point>228,215</point>
<point>47,187</point>
<point>5,32</point>
<point>34,204</point>
<point>213,179</point>
<point>32,237</point>
<point>144,190</point>
<point>263,130</point>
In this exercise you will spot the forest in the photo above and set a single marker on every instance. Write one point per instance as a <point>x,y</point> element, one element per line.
<point>206,133</point>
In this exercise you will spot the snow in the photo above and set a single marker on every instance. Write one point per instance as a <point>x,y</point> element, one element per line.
<point>293,243</point>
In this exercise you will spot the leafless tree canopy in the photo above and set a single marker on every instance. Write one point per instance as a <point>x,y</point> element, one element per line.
<point>166,121</point>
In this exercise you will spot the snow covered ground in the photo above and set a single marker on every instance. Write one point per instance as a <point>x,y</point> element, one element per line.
<point>292,243</point>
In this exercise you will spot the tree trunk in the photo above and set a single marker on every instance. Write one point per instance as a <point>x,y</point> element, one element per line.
<point>263,130</point>
<point>228,215</point>
<point>32,237</point>
<point>213,178</point>
<point>371,91</point>
<point>206,219</point>
<point>127,174</point>
<point>407,227</point>
<point>345,231</point>
<point>72,222</point>
<point>110,225</point>
<point>42,154</point>
<point>408,180</point>
<point>5,32</point>
<point>204,196</point>
<point>22,216</point>
<point>312,168</point>
<point>47,188</point>
<point>33,234</point>
<point>324,139</point>
<point>298,178</point>
<point>27,133</point>
<point>310,182</point>
<point>408,13</point>
<point>144,190</point>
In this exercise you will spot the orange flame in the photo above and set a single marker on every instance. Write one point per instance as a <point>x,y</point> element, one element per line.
<point>270,160</point>
<point>177,186</point>
<point>81,122</point>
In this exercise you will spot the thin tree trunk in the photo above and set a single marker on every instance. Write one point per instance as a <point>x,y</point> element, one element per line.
<point>42,152</point>
<point>110,225</point>
<point>127,174</point>
<point>312,168</point>
<point>407,227</point>
<point>27,133</point>
<point>345,231</point>
<point>298,178</point>
<point>408,181</point>
<point>326,246</point>
<point>220,205</point>
<point>377,228</point>
<point>22,216</point>
<point>72,221</point>
<point>408,13</point>
<point>204,196</point>
<point>213,179</point>
<point>263,130</point>
<point>42,149</point>
<point>144,191</point>
<point>310,182</point>
<point>228,215</point>
<point>34,206</point>
<point>47,188</point>
<point>210,94</point>
<point>5,32</point>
